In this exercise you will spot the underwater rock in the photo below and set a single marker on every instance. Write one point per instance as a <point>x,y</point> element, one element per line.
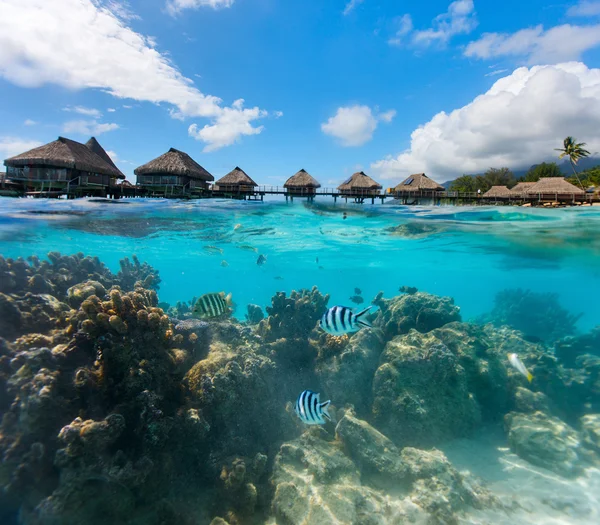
<point>255,314</point>
<point>315,482</point>
<point>223,383</point>
<point>346,372</point>
<point>376,456</point>
<point>570,348</point>
<point>421,311</point>
<point>545,441</point>
<point>590,431</point>
<point>421,392</point>
<point>537,315</point>
<point>528,401</point>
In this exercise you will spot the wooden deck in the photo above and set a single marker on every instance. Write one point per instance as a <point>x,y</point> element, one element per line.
<point>258,193</point>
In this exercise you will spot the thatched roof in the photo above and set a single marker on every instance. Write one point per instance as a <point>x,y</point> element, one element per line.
<point>521,188</point>
<point>95,146</point>
<point>174,162</point>
<point>65,153</point>
<point>359,181</point>
<point>236,177</point>
<point>498,191</point>
<point>554,185</point>
<point>417,182</point>
<point>302,179</point>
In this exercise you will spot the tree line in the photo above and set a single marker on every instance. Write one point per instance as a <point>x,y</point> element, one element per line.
<point>505,177</point>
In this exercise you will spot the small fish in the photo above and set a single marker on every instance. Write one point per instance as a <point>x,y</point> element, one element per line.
<point>357,299</point>
<point>340,320</point>
<point>248,248</point>
<point>213,249</point>
<point>317,260</point>
<point>357,291</point>
<point>212,305</point>
<point>310,410</point>
<point>410,290</point>
<point>345,216</point>
<point>224,263</point>
<point>237,227</point>
<point>278,278</point>
<point>321,267</point>
<point>518,365</point>
<point>262,259</point>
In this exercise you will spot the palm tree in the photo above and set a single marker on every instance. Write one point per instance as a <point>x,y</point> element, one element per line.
<point>574,151</point>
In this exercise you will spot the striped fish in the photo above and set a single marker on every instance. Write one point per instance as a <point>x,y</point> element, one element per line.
<point>310,410</point>
<point>212,305</point>
<point>339,320</point>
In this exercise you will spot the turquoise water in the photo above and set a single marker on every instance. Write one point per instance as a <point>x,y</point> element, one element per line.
<point>466,253</point>
<point>118,407</point>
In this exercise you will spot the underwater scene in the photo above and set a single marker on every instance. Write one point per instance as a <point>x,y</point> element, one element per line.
<point>304,363</point>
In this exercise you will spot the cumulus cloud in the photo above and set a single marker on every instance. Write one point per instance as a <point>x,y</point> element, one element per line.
<point>351,5</point>
<point>230,126</point>
<point>175,7</point>
<point>459,19</point>
<point>88,112</point>
<point>584,8</point>
<point>88,127</point>
<point>11,146</point>
<point>355,125</point>
<point>516,123</point>
<point>104,53</point>
<point>536,45</point>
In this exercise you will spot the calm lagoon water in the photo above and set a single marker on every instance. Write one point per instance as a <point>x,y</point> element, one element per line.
<point>466,253</point>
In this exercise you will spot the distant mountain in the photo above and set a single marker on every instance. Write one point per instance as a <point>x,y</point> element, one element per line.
<point>565,168</point>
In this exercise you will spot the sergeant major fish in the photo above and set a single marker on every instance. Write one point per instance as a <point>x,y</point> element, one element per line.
<point>262,259</point>
<point>310,410</point>
<point>357,299</point>
<point>213,249</point>
<point>518,365</point>
<point>339,320</point>
<point>212,305</point>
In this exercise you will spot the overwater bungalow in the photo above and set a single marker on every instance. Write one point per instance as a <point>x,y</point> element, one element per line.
<point>419,182</point>
<point>548,187</point>
<point>360,185</point>
<point>236,181</point>
<point>498,192</point>
<point>521,188</point>
<point>302,183</point>
<point>174,173</point>
<point>64,166</point>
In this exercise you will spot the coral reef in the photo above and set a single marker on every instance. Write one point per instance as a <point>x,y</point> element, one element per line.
<point>537,315</point>
<point>255,314</point>
<point>570,348</point>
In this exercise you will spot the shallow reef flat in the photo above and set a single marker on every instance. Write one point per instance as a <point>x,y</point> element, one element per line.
<point>119,408</point>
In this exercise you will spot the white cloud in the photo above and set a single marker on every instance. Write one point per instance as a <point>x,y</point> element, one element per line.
<point>111,110</point>
<point>88,127</point>
<point>230,126</point>
<point>459,19</point>
<point>495,73</point>
<point>175,7</point>
<point>405,26</point>
<point>29,122</point>
<point>536,45</point>
<point>351,5</point>
<point>88,112</point>
<point>516,123</point>
<point>278,114</point>
<point>113,155</point>
<point>104,53</point>
<point>355,125</point>
<point>11,146</point>
<point>584,8</point>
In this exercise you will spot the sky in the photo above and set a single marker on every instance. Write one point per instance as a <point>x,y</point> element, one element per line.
<point>388,87</point>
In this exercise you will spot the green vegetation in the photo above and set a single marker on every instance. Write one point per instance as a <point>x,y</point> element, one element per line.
<point>492,177</point>
<point>575,151</point>
<point>545,169</point>
<point>589,177</point>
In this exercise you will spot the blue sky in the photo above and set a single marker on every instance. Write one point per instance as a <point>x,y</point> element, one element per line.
<point>391,87</point>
